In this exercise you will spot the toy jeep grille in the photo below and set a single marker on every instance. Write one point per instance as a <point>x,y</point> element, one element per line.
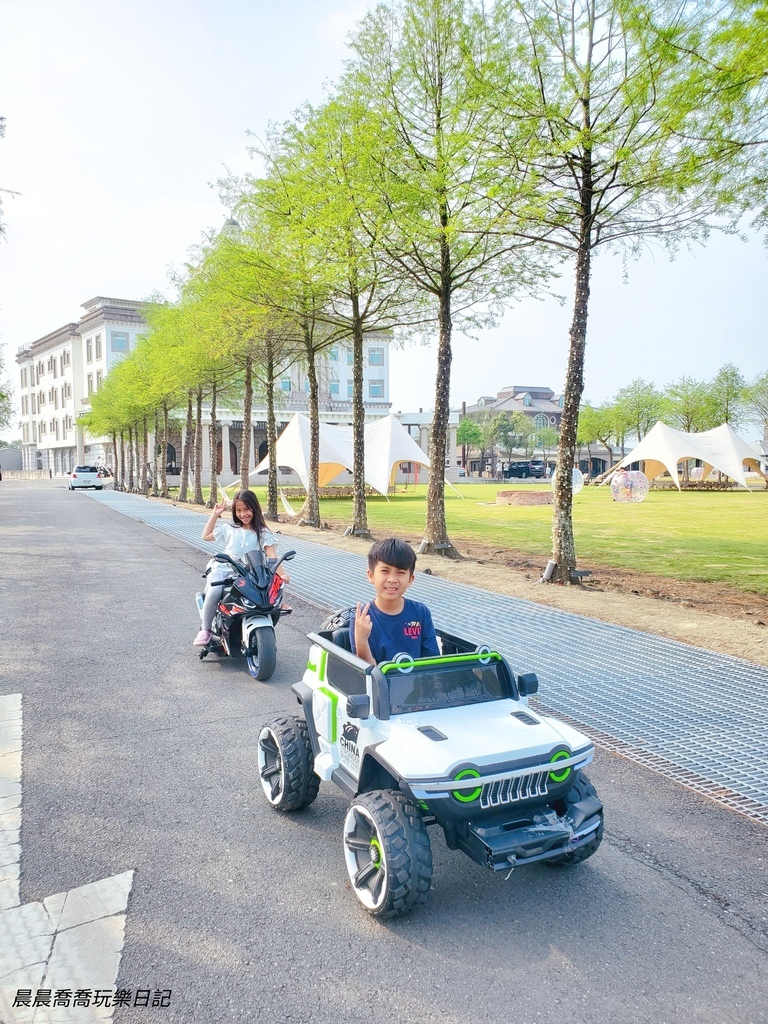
<point>510,791</point>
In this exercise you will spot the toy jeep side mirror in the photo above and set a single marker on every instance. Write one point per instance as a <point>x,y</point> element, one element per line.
<point>527,684</point>
<point>358,705</point>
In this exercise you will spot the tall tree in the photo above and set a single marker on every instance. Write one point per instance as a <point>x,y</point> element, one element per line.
<point>6,396</point>
<point>728,394</point>
<point>639,405</point>
<point>624,153</point>
<point>757,402</point>
<point>417,66</point>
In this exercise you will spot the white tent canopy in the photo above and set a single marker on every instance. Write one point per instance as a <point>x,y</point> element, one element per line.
<point>387,444</point>
<point>720,449</point>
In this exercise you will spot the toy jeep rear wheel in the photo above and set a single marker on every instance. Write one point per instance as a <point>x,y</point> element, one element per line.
<point>387,852</point>
<point>285,764</point>
<point>580,789</point>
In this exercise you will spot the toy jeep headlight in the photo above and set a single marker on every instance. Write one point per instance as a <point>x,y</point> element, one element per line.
<point>559,775</point>
<point>466,796</point>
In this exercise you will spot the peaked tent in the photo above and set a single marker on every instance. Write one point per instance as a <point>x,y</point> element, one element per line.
<point>663,448</point>
<point>293,451</point>
<point>387,443</point>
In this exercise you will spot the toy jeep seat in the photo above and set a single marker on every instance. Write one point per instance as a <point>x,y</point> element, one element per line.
<point>336,629</point>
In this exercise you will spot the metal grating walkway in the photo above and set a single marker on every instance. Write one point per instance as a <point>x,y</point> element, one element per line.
<point>694,716</point>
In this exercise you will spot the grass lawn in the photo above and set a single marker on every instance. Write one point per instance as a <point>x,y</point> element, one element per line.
<point>694,535</point>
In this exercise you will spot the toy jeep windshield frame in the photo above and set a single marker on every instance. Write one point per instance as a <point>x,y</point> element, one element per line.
<point>462,675</point>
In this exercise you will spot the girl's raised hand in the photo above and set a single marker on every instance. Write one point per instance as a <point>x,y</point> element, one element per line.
<point>220,507</point>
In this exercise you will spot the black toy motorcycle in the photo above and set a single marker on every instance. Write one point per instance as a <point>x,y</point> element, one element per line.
<point>249,608</point>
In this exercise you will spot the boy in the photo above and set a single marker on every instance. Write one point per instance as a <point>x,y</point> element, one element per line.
<point>392,623</point>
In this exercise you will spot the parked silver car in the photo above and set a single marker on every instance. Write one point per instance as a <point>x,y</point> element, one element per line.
<point>85,476</point>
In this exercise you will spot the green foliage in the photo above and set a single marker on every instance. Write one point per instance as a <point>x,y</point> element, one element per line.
<point>469,433</point>
<point>6,396</point>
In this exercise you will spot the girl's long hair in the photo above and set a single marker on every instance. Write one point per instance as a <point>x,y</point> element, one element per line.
<point>248,498</point>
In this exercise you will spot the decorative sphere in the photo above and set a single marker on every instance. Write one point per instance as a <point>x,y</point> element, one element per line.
<point>577,481</point>
<point>629,485</point>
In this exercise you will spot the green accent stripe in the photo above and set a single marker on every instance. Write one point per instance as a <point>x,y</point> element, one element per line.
<point>311,667</point>
<point>448,659</point>
<point>333,697</point>
<point>322,665</point>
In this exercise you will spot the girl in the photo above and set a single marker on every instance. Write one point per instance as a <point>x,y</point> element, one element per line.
<point>249,533</point>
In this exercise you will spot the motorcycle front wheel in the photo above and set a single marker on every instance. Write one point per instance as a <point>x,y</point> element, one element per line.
<point>261,664</point>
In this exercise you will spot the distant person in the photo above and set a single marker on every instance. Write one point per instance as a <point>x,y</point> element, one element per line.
<point>392,624</point>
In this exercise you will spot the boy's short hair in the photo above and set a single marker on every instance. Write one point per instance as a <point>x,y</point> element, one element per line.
<point>392,551</point>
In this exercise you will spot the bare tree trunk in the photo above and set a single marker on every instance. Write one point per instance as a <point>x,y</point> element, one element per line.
<point>155,446</point>
<point>198,498</point>
<point>312,507</point>
<point>563,546</point>
<point>359,510</point>
<point>144,458</point>
<point>130,459</point>
<point>122,460</point>
<point>247,436</point>
<point>186,451</point>
<point>214,450</point>
<point>436,539</point>
<point>113,467</point>
<point>271,512</point>
<point>164,458</point>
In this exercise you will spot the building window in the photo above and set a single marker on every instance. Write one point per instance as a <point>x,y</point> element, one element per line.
<point>350,357</point>
<point>98,379</point>
<point>376,357</point>
<point>24,378</point>
<point>119,341</point>
<point>350,388</point>
<point>55,425</point>
<point>376,389</point>
<point>40,369</point>
<point>68,386</point>
<point>23,405</point>
<point>285,384</point>
<point>98,346</point>
<point>334,387</point>
<point>527,401</point>
<point>89,350</point>
<point>561,401</point>
<point>51,362</point>
<point>55,398</point>
<point>34,430</point>
<point>90,383</point>
<point>333,354</point>
<point>65,357</point>
<point>540,422</point>
<point>306,386</point>
<point>34,408</point>
<point>40,398</point>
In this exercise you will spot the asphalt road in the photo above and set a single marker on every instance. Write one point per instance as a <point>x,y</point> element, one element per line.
<point>138,755</point>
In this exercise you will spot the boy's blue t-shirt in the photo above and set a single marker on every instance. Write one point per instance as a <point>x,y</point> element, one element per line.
<point>411,632</point>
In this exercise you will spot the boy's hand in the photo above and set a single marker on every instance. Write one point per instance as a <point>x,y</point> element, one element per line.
<point>363,627</point>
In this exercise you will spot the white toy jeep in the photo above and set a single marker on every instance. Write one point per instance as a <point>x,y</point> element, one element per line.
<point>446,741</point>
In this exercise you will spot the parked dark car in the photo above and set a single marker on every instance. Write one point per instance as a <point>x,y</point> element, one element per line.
<point>525,469</point>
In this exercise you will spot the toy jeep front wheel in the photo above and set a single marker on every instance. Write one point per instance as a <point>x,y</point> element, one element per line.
<point>581,790</point>
<point>285,764</point>
<point>387,852</point>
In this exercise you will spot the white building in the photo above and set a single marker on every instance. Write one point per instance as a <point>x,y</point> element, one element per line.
<point>60,371</point>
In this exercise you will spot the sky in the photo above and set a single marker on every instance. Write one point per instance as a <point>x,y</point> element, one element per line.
<point>121,115</point>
